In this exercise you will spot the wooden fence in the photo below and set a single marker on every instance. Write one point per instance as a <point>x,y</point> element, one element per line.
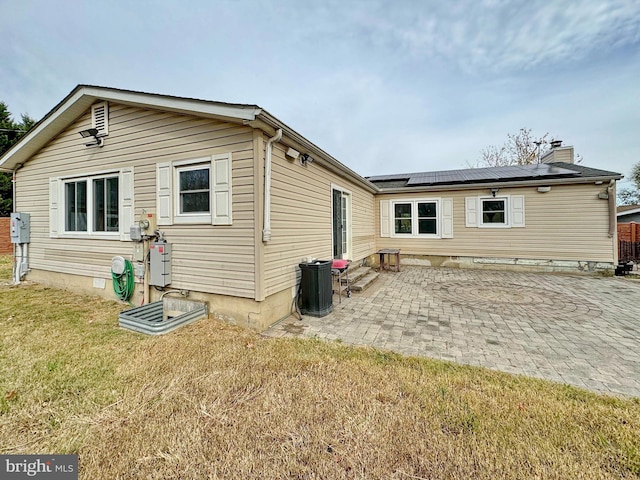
<point>5,238</point>
<point>629,242</point>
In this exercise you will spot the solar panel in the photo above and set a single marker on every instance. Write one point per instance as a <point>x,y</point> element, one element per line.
<point>487,174</point>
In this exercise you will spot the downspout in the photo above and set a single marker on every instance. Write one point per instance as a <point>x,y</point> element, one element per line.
<point>266,231</point>
<point>612,209</point>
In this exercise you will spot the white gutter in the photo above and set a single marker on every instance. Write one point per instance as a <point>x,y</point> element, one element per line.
<point>266,231</point>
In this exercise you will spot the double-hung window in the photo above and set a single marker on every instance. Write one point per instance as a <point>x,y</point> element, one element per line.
<point>194,191</point>
<point>415,218</point>
<point>91,204</point>
<point>494,212</point>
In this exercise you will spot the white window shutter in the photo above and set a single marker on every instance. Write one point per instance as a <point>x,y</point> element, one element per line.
<point>55,209</point>
<point>126,189</point>
<point>100,118</point>
<point>471,211</point>
<point>164,196</point>
<point>447,218</point>
<point>384,218</point>
<point>517,210</point>
<point>221,191</point>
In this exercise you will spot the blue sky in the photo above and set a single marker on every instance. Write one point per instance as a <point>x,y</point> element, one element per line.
<point>383,86</point>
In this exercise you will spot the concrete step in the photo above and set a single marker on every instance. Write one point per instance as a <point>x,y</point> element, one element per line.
<point>365,281</point>
<point>355,274</point>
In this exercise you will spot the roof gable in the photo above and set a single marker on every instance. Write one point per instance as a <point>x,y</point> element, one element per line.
<point>83,96</point>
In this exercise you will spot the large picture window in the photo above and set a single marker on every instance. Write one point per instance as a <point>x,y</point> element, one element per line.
<point>91,204</point>
<point>415,218</point>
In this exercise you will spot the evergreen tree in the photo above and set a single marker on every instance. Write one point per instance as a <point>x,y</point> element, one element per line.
<point>10,133</point>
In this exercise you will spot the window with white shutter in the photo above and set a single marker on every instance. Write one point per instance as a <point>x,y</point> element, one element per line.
<point>195,191</point>
<point>501,211</point>
<point>416,218</point>
<point>384,218</point>
<point>97,205</point>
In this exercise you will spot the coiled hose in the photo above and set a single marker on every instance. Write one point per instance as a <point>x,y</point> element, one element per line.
<point>124,283</point>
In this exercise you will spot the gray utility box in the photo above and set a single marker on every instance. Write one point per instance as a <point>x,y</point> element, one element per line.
<point>159,264</point>
<point>20,223</point>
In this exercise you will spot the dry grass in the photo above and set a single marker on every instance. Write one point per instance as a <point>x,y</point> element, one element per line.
<point>214,401</point>
<point>5,268</point>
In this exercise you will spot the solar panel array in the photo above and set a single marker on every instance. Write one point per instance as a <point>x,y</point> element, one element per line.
<point>471,175</point>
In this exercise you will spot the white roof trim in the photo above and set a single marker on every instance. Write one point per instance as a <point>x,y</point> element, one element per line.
<point>176,104</point>
<point>82,97</point>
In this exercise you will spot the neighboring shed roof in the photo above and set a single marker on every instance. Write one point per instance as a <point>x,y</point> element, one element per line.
<point>627,208</point>
<point>494,175</point>
<point>624,210</point>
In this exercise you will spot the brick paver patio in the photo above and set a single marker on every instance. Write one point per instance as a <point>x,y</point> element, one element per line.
<point>580,330</point>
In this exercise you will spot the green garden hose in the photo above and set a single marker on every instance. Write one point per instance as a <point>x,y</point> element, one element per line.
<point>124,283</point>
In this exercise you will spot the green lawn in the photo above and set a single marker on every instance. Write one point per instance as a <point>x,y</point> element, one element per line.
<point>215,401</point>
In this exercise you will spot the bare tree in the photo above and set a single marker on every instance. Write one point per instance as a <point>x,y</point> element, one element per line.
<point>631,196</point>
<point>521,148</point>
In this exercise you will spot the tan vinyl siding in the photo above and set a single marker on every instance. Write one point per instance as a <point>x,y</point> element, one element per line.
<point>205,258</point>
<point>567,223</point>
<point>301,223</point>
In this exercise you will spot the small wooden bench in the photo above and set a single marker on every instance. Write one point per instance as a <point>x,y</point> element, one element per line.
<point>388,252</point>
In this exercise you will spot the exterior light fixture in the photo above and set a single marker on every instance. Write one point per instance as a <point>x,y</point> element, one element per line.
<point>91,132</point>
<point>494,190</point>
<point>305,158</point>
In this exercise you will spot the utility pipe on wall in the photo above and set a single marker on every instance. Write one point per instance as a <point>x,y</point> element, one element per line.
<point>16,247</point>
<point>266,230</point>
<point>17,263</point>
<point>613,218</point>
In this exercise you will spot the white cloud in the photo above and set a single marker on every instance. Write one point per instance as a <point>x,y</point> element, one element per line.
<point>494,35</point>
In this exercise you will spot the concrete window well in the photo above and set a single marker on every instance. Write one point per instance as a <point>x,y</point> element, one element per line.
<point>163,316</point>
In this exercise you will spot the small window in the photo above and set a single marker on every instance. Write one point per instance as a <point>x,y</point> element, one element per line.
<point>494,211</point>
<point>195,194</point>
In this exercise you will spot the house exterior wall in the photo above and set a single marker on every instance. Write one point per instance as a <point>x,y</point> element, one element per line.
<point>567,224</point>
<point>301,219</point>
<point>210,259</point>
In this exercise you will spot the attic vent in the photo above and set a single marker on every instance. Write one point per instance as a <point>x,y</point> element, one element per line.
<point>100,118</point>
